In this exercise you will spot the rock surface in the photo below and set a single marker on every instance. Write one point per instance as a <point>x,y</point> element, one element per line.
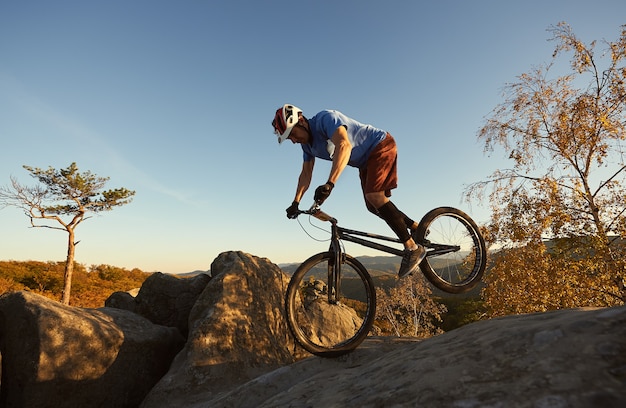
<point>163,299</point>
<point>567,358</point>
<point>239,353</point>
<point>237,331</point>
<point>61,356</point>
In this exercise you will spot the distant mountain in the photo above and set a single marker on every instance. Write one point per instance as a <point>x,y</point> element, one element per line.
<point>192,274</point>
<point>381,269</point>
<point>375,265</point>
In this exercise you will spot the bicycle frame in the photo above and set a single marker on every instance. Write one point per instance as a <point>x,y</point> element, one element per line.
<point>339,233</point>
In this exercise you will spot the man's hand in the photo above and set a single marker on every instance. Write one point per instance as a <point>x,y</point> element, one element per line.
<point>293,210</point>
<point>322,192</point>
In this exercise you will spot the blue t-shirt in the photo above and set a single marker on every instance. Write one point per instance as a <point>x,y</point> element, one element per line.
<point>364,138</point>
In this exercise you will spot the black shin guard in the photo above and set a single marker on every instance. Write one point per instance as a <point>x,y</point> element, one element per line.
<point>395,219</point>
<point>408,221</point>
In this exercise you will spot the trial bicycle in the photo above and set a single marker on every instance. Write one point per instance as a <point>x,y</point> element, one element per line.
<point>330,301</point>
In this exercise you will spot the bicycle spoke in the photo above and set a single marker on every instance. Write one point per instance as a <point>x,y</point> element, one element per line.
<point>455,265</point>
<point>456,254</point>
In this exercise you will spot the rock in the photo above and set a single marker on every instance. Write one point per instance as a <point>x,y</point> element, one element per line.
<point>122,300</point>
<point>163,299</point>
<point>568,358</point>
<point>61,356</point>
<point>239,353</point>
<point>237,332</point>
<point>331,324</point>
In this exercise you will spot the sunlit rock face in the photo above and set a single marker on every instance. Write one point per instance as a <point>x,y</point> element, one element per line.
<point>61,356</point>
<point>239,353</point>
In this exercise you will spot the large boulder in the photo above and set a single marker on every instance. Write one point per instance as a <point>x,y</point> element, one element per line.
<point>239,353</point>
<point>61,356</point>
<point>237,332</point>
<point>573,358</point>
<point>163,299</point>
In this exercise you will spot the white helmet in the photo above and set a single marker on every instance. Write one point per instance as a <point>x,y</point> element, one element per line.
<point>284,120</point>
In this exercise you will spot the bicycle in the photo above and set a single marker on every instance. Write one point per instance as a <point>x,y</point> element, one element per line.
<point>333,289</point>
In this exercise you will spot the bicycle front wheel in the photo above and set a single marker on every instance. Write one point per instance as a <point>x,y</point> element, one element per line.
<point>456,255</point>
<point>330,315</point>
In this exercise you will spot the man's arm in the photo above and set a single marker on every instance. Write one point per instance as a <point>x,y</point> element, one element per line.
<point>305,179</point>
<point>343,149</point>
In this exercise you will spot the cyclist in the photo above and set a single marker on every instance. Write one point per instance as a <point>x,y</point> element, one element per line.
<point>330,135</point>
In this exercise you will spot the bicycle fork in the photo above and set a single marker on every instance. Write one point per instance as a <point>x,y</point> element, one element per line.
<point>334,269</point>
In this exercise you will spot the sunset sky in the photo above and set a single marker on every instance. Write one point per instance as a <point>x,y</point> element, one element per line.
<point>174,100</point>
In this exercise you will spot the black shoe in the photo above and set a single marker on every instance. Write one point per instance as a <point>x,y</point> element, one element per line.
<point>411,261</point>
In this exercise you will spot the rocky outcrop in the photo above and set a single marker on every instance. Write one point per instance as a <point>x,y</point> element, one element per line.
<point>237,332</point>
<point>570,358</point>
<point>163,299</point>
<point>61,356</point>
<point>239,353</point>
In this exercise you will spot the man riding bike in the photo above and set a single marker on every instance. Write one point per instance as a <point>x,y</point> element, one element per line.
<point>331,135</point>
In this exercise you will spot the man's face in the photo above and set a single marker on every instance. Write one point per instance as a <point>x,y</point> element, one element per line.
<point>299,134</point>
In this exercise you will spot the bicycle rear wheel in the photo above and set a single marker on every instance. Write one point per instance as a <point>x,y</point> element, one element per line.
<point>456,254</point>
<point>329,320</point>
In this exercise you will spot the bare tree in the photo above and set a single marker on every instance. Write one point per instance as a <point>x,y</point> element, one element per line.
<point>565,138</point>
<point>63,196</point>
<point>409,308</point>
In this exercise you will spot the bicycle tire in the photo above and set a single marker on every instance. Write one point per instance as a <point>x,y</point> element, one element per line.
<point>322,328</point>
<point>454,272</point>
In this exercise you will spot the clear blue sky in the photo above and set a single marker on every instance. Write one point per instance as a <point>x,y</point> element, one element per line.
<point>174,99</point>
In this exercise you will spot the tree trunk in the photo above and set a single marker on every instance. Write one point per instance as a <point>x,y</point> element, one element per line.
<point>69,268</point>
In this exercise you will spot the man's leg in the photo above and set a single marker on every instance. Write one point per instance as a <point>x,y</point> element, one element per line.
<point>408,221</point>
<point>396,220</point>
<point>378,178</point>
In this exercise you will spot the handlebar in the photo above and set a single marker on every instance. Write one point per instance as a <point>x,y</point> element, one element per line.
<point>316,212</point>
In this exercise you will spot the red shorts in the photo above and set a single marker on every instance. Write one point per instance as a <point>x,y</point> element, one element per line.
<point>380,171</point>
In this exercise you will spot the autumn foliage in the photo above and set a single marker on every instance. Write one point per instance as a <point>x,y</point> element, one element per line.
<point>559,213</point>
<point>91,286</point>
<point>539,277</point>
<point>408,308</point>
